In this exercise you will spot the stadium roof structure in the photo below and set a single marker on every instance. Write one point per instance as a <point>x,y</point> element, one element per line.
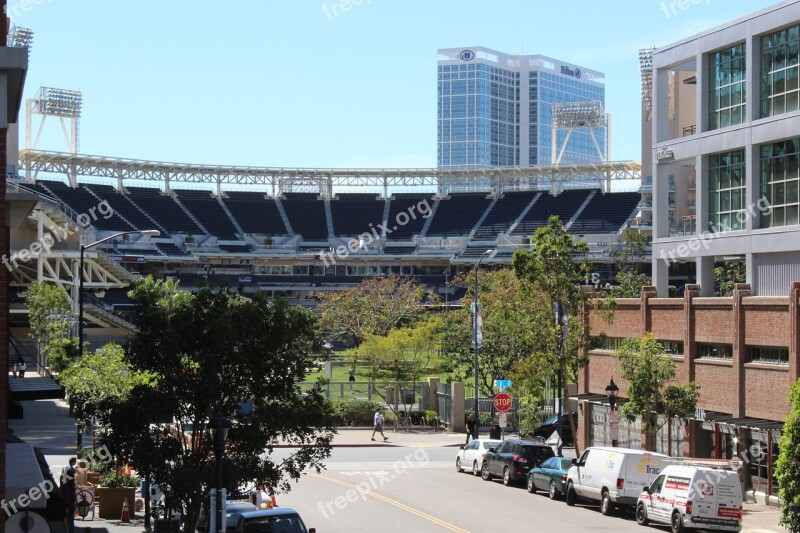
<point>281,179</point>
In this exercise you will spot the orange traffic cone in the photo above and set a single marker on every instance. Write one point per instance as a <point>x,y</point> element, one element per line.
<point>126,513</point>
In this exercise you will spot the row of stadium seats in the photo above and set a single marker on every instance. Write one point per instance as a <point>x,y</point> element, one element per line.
<point>199,212</point>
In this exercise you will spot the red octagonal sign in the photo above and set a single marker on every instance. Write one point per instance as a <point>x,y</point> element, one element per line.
<point>502,402</point>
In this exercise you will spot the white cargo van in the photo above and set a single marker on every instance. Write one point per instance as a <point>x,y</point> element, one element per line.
<point>612,476</point>
<point>689,497</point>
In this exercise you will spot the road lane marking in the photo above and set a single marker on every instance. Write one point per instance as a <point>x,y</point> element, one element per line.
<point>395,503</point>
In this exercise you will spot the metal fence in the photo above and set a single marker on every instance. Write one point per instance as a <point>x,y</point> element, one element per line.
<point>397,394</point>
<point>444,401</point>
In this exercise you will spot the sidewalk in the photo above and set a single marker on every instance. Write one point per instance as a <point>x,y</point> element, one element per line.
<point>356,437</point>
<point>761,519</point>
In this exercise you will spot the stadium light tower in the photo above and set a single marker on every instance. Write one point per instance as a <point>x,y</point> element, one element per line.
<point>20,37</point>
<point>61,103</point>
<point>646,71</point>
<point>578,115</point>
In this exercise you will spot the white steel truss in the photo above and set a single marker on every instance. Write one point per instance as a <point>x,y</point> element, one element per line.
<point>63,104</point>
<point>279,180</point>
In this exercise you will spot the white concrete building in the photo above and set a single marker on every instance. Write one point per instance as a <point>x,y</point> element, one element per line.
<point>726,109</point>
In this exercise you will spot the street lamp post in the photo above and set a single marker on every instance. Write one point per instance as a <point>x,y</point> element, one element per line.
<point>150,232</point>
<point>475,344</point>
<point>219,426</point>
<point>613,419</point>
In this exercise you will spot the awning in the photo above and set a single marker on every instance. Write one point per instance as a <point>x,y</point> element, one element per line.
<point>34,388</point>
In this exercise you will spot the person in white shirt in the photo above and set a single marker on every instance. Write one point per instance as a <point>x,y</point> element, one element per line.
<point>378,425</point>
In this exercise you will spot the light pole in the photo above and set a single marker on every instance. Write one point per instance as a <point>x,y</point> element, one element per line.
<point>84,247</point>
<point>613,419</point>
<point>475,343</point>
<point>219,426</point>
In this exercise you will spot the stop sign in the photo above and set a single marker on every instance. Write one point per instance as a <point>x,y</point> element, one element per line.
<point>502,402</point>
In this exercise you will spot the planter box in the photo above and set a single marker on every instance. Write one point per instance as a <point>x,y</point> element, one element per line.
<point>92,478</point>
<point>110,501</point>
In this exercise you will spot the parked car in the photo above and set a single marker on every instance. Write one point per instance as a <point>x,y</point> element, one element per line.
<point>692,497</point>
<point>550,476</point>
<point>612,476</point>
<point>280,519</point>
<point>232,511</point>
<point>550,426</point>
<point>471,455</point>
<point>513,458</point>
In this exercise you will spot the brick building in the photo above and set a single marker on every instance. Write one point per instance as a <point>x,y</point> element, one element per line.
<point>723,113</point>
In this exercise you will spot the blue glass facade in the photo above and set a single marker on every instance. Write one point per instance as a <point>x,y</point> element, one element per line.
<point>484,120</point>
<point>546,89</point>
<point>478,116</point>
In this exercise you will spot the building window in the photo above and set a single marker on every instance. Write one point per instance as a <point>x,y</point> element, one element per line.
<point>779,71</point>
<point>603,342</point>
<point>726,87</point>
<point>767,354</point>
<point>726,190</point>
<point>780,182</point>
<point>672,347</point>
<point>714,351</point>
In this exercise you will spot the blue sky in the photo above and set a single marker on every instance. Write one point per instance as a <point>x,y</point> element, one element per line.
<point>282,83</point>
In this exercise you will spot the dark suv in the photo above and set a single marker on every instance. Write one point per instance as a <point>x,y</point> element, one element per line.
<point>550,425</point>
<point>513,458</point>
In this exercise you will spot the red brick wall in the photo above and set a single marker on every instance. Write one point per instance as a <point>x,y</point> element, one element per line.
<point>603,369</point>
<point>767,325</point>
<point>767,387</point>
<point>667,321</point>
<point>714,324</point>
<point>717,390</point>
<point>627,320</point>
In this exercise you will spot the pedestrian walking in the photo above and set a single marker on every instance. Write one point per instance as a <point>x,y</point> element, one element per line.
<point>378,418</point>
<point>470,427</point>
<point>352,376</point>
<point>22,368</point>
<point>68,493</point>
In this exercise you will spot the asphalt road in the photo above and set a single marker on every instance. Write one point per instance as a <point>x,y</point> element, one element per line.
<point>418,490</point>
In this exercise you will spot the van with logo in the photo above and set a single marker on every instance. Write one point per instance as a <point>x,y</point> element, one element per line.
<point>612,476</point>
<point>692,497</point>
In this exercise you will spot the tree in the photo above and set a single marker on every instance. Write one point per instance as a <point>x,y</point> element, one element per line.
<point>98,381</point>
<point>728,274</point>
<point>210,353</point>
<point>49,314</point>
<point>629,280</point>
<point>513,318</point>
<point>402,355</point>
<point>787,468</point>
<point>551,270</point>
<point>643,363</point>
<point>374,307</point>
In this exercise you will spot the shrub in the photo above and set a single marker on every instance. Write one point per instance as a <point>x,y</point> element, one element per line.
<point>115,480</point>
<point>352,412</point>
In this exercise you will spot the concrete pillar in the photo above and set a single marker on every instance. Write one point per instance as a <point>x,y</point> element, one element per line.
<point>457,421</point>
<point>740,290</point>
<point>584,425</point>
<point>705,275</point>
<point>433,402</point>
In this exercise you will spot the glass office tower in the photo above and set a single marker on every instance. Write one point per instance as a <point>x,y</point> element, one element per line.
<point>495,109</point>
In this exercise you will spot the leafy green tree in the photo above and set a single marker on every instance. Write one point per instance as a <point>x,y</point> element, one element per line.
<point>98,381</point>
<point>787,468</point>
<point>209,353</point>
<point>643,363</point>
<point>513,318</point>
<point>375,307</point>
<point>552,271</point>
<point>728,274</point>
<point>49,313</point>
<point>402,355</point>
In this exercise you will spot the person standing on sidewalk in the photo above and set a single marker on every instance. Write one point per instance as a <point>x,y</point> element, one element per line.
<point>470,427</point>
<point>68,493</point>
<point>378,425</point>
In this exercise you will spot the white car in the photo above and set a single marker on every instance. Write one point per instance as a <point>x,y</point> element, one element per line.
<point>471,455</point>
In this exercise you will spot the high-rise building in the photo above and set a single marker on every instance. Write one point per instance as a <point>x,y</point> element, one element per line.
<point>495,110</point>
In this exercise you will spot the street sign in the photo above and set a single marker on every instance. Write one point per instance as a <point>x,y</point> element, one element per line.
<point>503,419</point>
<point>502,402</point>
<point>502,384</point>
